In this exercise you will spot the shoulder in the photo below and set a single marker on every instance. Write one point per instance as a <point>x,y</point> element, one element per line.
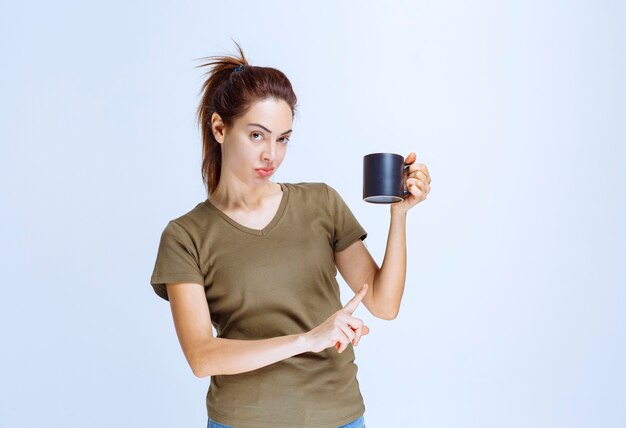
<point>308,189</point>
<point>318,191</point>
<point>307,186</point>
<point>189,222</point>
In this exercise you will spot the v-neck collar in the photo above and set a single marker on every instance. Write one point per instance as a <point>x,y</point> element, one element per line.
<point>258,232</point>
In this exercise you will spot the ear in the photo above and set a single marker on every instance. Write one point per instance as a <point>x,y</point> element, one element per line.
<point>217,126</point>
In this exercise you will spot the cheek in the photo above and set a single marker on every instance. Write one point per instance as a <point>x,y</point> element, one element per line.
<point>245,151</point>
<point>240,156</point>
<point>280,155</point>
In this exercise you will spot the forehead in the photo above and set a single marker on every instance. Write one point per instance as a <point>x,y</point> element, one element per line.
<point>274,114</point>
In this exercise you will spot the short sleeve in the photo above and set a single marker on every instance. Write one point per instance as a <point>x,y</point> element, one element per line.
<point>177,260</point>
<point>346,227</point>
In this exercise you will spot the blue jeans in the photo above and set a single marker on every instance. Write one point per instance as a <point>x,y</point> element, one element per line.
<point>357,423</point>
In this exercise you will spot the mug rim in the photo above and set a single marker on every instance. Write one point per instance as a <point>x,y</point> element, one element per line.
<point>384,154</point>
<point>367,199</point>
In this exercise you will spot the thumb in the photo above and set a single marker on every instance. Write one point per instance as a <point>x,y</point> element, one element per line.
<point>410,158</point>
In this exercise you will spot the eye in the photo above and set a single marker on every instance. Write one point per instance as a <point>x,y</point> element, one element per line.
<point>286,140</point>
<point>256,133</point>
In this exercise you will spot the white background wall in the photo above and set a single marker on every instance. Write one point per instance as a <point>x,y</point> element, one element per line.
<point>513,312</point>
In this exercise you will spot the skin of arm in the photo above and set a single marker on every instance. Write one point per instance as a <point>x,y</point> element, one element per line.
<point>208,355</point>
<point>357,266</point>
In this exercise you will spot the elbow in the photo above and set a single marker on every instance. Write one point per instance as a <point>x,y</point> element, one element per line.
<point>200,367</point>
<point>387,315</point>
<point>201,360</point>
<point>200,372</point>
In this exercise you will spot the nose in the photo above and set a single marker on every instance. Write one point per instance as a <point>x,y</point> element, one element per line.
<point>269,153</point>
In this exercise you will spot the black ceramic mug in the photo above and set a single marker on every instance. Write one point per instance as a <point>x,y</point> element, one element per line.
<point>383,178</point>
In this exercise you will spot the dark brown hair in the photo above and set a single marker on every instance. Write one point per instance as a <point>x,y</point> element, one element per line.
<point>230,90</point>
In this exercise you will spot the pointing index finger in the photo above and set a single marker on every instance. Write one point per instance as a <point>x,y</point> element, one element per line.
<point>354,302</point>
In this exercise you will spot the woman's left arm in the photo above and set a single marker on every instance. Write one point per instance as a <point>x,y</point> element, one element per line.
<point>387,282</point>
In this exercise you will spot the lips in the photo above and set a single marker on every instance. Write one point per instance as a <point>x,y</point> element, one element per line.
<point>265,172</point>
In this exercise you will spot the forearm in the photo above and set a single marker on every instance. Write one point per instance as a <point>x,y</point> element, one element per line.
<point>389,280</point>
<point>222,356</point>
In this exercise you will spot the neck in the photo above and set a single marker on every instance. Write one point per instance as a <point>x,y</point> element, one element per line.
<point>233,194</point>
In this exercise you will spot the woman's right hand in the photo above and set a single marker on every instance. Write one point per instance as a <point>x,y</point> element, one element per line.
<point>340,328</point>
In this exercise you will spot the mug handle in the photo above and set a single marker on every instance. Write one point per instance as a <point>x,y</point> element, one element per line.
<point>405,192</point>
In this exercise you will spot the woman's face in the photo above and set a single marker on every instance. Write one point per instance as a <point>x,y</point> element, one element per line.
<point>255,146</point>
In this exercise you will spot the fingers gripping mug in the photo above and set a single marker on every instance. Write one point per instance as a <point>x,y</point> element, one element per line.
<point>383,178</point>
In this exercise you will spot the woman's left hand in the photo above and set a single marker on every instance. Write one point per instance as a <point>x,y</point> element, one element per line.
<point>416,181</point>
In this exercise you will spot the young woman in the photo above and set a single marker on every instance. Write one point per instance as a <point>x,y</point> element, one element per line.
<point>258,261</point>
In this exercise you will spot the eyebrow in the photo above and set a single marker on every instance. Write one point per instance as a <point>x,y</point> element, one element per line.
<point>261,126</point>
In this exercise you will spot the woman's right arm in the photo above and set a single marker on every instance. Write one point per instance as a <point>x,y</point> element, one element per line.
<point>209,356</point>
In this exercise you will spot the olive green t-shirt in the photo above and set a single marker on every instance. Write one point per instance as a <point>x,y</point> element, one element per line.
<point>265,283</point>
